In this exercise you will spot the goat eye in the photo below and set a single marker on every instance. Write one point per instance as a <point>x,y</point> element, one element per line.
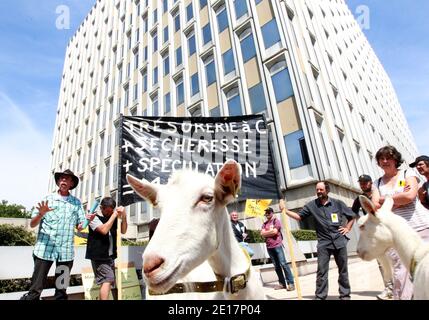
<point>206,198</point>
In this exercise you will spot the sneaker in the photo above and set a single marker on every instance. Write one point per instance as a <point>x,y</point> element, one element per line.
<point>385,295</point>
<point>291,287</point>
<point>345,298</point>
<point>279,287</point>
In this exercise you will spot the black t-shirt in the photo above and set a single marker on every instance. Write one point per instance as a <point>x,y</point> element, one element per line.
<point>356,206</point>
<point>426,187</point>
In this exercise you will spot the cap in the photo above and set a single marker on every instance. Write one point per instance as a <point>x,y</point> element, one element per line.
<point>269,210</point>
<point>418,159</point>
<point>364,178</point>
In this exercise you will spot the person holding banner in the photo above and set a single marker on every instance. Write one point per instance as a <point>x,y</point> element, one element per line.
<point>271,231</point>
<point>240,232</point>
<point>57,215</point>
<point>331,237</point>
<point>101,247</point>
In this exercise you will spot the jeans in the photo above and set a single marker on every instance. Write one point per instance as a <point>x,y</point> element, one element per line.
<point>277,256</point>
<point>40,275</point>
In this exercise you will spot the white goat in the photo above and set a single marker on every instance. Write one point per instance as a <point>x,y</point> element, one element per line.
<point>382,229</point>
<point>195,227</point>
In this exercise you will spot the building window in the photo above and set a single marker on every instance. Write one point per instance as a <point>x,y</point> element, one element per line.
<point>222,19</point>
<point>144,82</point>
<point>247,45</point>
<point>257,98</point>
<point>270,33</point>
<point>137,35</point>
<point>296,149</point>
<point>234,104</point>
<point>195,86</point>
<point>281,81</point>
<point>189,12</point>
<point>210,71</point>
<point>240,8</point>
<point>136,60</point>
<point>203,3</point>
<point>136,91</point>
<point>145,25</point>
<point>92,181</point>
<point>155,42</point>
<point>145,51</point>
<point>228,62</point>
<point>177,23</point>
<point>166,34</point>
<point>180,93</point>
<point>107,173</point>
<point>165,6</point>
<point>215,112</point>
<point>207,34</point>
<point>127,96</point>
<point>155,76</point>
<point>155,16</point>
<point>167,103</point>
<point>166,63</point>
<point>128,70</point>
<point>155,109</point>
<point>191,45</point>
<point>179,56</point>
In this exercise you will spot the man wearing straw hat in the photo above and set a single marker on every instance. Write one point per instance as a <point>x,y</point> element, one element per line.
<point>57,216</point>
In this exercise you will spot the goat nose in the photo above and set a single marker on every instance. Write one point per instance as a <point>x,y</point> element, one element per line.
<point>151,263</point>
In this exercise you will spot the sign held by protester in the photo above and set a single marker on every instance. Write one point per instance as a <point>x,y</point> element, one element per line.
<point>256,208</point>
<point>153,147</point>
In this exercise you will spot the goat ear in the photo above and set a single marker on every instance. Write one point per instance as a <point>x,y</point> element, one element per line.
<point>228,181</point>
<point>387,204</point>
<point>367,205</point>
<point>144,189</point>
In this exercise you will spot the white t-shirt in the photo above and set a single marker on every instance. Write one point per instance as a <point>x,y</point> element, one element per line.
<point>416,215</point>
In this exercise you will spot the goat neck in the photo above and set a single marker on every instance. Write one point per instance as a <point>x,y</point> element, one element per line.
<point>406,241</point>
<point>228,259</point>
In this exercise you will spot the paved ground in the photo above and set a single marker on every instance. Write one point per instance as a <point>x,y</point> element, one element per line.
<point>365,282</point>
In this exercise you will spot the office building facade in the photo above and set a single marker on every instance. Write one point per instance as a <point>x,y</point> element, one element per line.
<point>306,64</point>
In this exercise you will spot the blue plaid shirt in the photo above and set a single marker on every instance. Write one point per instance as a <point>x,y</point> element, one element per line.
<point>55,239</point>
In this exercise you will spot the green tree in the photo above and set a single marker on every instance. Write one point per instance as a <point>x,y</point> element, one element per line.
<point>13,210</point>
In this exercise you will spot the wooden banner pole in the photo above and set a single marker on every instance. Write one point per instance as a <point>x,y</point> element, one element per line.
<point>119,258</point>
<point>285,220</point>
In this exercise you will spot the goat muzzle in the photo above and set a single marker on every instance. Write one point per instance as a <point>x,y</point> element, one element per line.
<point>151,264</point>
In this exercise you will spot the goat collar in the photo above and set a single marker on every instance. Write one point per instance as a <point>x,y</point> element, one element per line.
<point>231,285</point>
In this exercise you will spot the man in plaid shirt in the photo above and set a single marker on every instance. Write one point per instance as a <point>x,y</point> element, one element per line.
<point>57,216</point>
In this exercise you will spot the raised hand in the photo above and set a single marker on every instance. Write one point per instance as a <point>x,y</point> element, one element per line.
<point>120,212</point>
<point>43,208</point>
<point>282,204</point>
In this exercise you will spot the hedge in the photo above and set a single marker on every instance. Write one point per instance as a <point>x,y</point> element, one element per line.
<point>254,236</point>
<point>11,235</point>
<point>127,242</point>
